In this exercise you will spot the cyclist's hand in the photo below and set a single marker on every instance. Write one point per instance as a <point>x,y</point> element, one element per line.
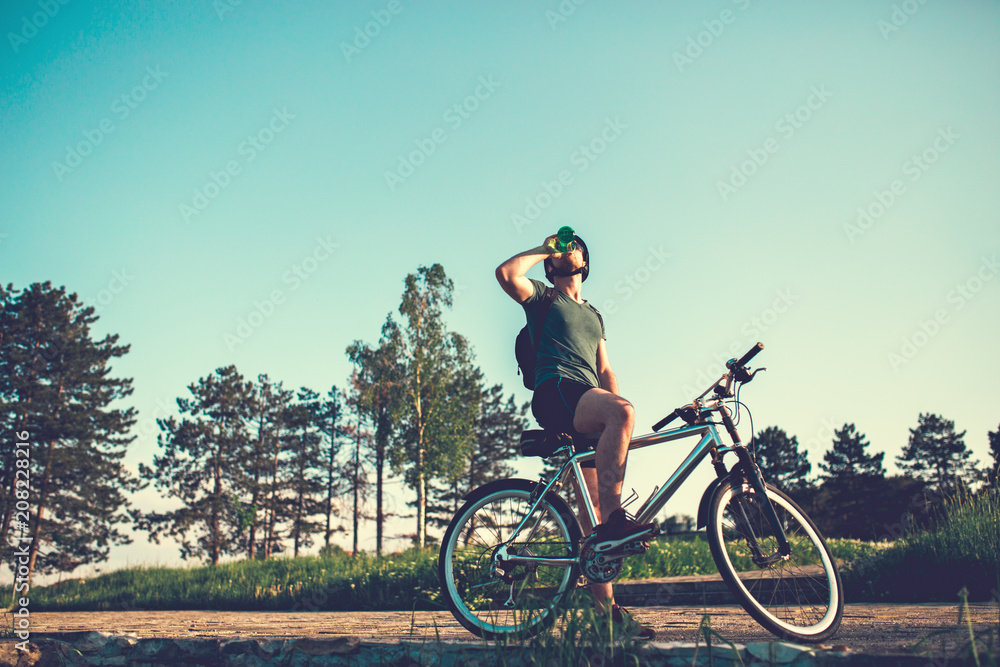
<point>550,246</point>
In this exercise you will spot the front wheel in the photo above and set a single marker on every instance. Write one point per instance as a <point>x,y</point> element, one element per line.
<point>493,598</point>
<point>798,597</point>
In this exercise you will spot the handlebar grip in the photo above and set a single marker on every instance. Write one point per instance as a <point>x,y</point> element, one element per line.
<point>666,420</point>
<point>751,353</point>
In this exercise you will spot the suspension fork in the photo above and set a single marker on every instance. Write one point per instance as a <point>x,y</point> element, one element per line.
<point>751,472</point>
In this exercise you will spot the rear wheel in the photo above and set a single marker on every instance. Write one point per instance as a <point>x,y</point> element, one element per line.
<point>798,597</point>
<point>493,598</point>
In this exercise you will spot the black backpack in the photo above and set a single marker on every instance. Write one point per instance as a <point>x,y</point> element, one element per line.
<point>526,351</point>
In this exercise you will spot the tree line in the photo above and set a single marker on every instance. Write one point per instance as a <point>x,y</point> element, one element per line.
<point>853,496</point>
<point>253,468</point>
<point>256,469</point>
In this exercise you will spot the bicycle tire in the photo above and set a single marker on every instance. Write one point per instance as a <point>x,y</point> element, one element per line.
<point>798,599</point>
<point>474,595</point>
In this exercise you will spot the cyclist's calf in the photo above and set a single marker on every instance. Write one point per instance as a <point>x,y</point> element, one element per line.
<point>600,410</point>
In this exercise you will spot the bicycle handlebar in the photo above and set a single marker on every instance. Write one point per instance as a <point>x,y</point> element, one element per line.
<point>744,360</point>
<point>666,420</point>
<point>751,353</point>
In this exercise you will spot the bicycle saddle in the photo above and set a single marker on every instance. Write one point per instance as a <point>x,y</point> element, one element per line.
<point>543,443</point>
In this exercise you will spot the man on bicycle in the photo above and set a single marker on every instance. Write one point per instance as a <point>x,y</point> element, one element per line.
<point>576,391</point>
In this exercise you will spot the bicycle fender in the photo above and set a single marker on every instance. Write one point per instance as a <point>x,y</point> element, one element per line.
<point>706,498</point>
<point>490,486</point>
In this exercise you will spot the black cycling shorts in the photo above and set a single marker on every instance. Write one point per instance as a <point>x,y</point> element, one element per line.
<point>554,406</point>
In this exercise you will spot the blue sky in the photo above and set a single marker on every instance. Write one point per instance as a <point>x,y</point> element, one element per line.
<point>819,177</point>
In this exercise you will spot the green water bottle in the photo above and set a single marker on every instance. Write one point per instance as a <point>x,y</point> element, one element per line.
<point>565,239</point>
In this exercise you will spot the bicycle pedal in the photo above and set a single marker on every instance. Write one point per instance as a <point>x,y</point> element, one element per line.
<point>630,549</point>
<point>636,548</point>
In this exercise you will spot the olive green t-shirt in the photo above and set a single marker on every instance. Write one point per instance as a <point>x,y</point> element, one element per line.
<point>570,336</point>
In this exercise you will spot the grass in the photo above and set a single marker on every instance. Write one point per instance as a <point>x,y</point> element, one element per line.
<point>337,582</point>
<point>961,549</point>
<point>689,554</point>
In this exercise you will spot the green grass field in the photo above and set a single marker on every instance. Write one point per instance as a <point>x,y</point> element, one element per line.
<point>339,582</point>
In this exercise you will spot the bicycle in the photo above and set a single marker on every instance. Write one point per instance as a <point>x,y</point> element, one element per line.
<point>515,549</point>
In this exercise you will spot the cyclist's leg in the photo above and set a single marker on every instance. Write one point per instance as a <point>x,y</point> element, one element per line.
<point>603,593</point>
<point>555,404</point>
<point>600,410</point>
<point>590,480</point>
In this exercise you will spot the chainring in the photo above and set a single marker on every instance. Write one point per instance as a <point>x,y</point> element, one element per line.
<point>598,567</point>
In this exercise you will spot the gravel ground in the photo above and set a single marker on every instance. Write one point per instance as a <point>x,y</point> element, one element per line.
<point>866,628</point>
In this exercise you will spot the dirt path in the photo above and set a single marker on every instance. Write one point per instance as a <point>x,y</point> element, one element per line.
<point>869,628</point>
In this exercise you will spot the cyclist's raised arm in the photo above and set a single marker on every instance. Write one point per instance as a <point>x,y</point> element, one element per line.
<point>511,276</point>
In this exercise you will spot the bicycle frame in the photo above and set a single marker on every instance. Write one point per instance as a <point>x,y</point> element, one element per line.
<point>709,443</point>
<point>709,440</point>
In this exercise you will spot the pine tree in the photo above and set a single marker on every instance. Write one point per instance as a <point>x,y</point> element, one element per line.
<point>780,460</point>
<point>935,452</point>
<point>256,467</point>
<point>196,467</point>
<point>55,393</point>
<point>327,417</point>
<point>848,460</point>
<point>273,405</point>
<point>356,476</point>
<point>994,470</point>
<point>851,478</point>
<point>306,482</point>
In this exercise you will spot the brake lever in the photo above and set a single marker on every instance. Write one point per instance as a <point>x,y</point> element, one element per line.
<point>689,414</point>
<point>749,376</point>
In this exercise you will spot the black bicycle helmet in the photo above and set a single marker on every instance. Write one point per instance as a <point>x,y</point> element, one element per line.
<point>551,270</point>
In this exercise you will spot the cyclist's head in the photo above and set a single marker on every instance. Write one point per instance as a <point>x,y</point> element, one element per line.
<point>571,263</point>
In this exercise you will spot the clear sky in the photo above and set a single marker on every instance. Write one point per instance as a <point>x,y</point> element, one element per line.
<point>248,183</point>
